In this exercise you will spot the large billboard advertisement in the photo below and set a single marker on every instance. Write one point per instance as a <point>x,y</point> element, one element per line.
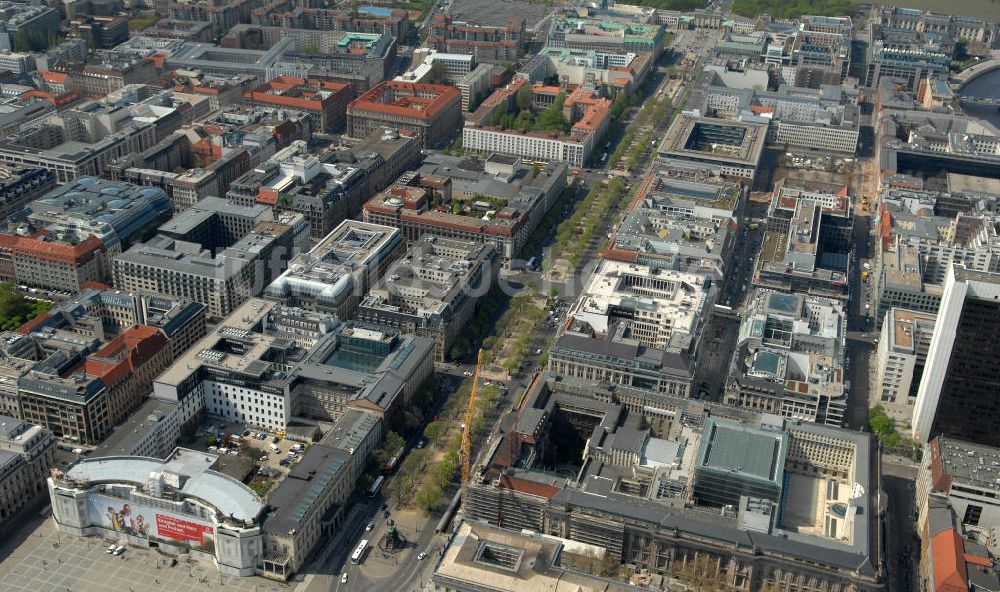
<point>141,521</point>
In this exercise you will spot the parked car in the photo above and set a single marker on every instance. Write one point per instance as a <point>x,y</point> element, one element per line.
<point>111,549</point>
<point>119,550</point>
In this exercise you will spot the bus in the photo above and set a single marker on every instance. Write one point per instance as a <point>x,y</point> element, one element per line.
<point>373,490</point>
<point>359,552</point>
<point>390,466</point>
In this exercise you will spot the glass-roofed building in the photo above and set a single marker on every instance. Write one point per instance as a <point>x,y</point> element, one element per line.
<point>789,358</point>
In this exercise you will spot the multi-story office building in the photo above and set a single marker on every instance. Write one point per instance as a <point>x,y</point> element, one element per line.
<point>220,61</point>
<point>337,272</point>
<point>817,58</point>
<point>431,112</point>
<point>800,255</point>
<point>216,223</point>
<point>618,71</point>
<point>963,477</point>
<point>284,14</point>
<point>789,359</point>
<point>22,21</point>
<point>957,26</point>
<point>183,269</point>
<point>481,557</point>
<point>17,62</point>
<point>26,455</point>
<point>236,374</point>
<point>826,118</point>
<point>106,314</point>
<point>475,85</point>
<point>71,148</point>
<point>57,245</point>
<point>224,15</point>
<point>636,327</point>
<point>607,36</point>
<point>101,32</point>
<point>939,142</point>
<point>589,115</point>
<point>434,290</point>
<point>961,380</point>
<point>900,359</point>
<point>734,146</point>
<point>326,101</point>
<point>81,388</point>
<point>674,240</point>
<point>308,507</point>
<point>20,185</point>
<point>664,502</point>
<point>197,31</point>
<point>492,43</point>
<point>331,191</point>
<point>17,113</point>
<point>452,66</point>
<point>515,202</point>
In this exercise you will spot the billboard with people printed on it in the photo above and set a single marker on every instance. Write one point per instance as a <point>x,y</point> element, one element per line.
<point>141,521</point>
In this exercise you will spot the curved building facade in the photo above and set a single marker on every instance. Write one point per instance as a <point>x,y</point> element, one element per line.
<point>177,504</point>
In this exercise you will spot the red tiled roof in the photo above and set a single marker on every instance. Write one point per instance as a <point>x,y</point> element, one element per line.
<point>53,250</point>
<point>410,104</point>
<point>53,77</point>
<point>30,325</point>
<point>122,355</point>
<point>529,487</point>
<point>948,551</point>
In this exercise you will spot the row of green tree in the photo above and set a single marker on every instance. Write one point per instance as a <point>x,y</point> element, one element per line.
<point>574,233</point>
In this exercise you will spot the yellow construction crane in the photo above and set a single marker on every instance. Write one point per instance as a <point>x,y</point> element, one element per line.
<point>467,432</point>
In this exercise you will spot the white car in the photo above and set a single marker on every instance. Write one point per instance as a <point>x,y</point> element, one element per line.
<point>421,555</point>
<point>370,526</point>
<point>111,549</point>
<point>343,578</point>
<point>119,550</point>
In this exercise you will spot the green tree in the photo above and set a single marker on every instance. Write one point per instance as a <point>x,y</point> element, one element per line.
<point>525,98</point>
<point>879,422</point>
<point>435,431</point>
<point>429,496</point>
<point>553,119</point>
<point>619,106</point>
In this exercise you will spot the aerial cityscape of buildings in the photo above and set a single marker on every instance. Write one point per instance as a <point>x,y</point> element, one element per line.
<point>483,296</point>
